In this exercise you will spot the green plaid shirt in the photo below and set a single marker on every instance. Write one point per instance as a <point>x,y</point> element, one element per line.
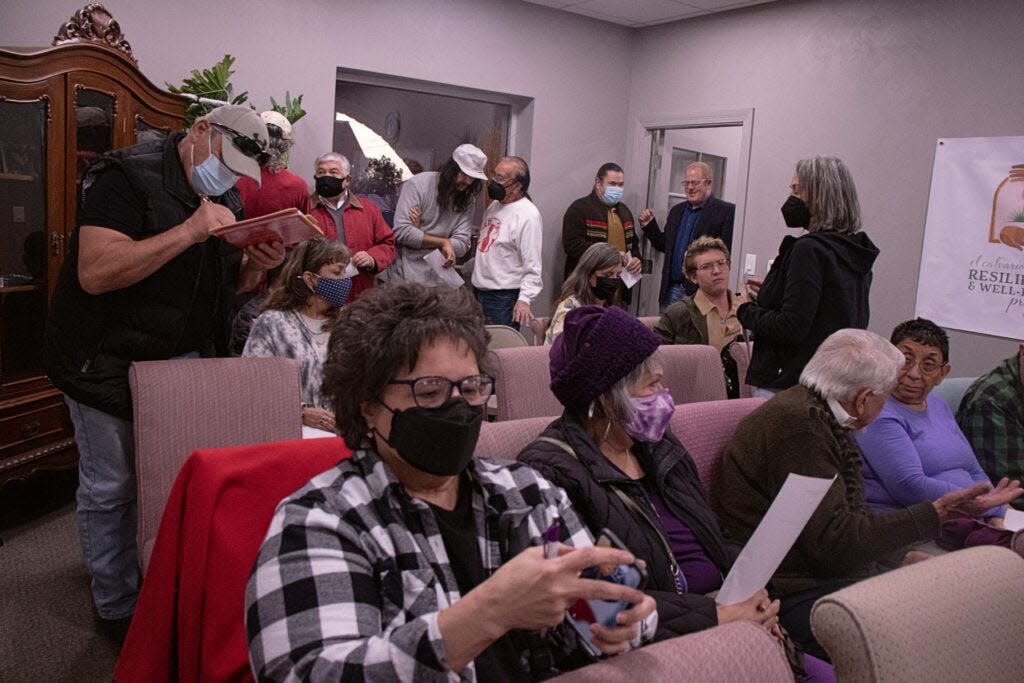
<point>991,416</point>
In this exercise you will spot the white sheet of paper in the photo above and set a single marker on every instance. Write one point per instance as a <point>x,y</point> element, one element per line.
<point>629,278</point>
<point>436,261</point>
<point>774,536</point>
<point>350,270</point>
<point>1014,520</point>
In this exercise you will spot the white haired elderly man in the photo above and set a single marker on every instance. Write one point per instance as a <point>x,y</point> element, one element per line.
<point>354,221</point>
<point>806,430</point>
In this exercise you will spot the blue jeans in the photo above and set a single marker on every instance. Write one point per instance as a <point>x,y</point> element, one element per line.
<point>675,293</point>
<point>498,305</point>
<point>107,515</point>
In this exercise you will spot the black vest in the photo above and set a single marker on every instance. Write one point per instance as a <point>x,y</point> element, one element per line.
<point>182,307</point>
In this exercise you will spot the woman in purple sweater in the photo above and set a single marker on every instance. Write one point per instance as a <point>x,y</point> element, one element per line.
<point>914,451</point>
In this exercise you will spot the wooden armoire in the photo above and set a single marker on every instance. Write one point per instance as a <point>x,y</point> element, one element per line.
<point>60,109</point>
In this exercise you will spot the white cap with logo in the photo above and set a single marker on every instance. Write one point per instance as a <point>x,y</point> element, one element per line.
<point>245,138</point>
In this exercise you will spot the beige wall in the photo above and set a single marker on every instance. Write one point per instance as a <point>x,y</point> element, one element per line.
<point>577,69</point>
<point>874,82</point>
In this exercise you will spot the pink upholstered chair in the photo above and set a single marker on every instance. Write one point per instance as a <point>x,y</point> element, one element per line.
<point>958,617</point>
<point>506,439</point>
<point>523,383</point>
<point>739,651</point>
<point>188,625</point>
<point>705,429</point>
<point>692,373</point>
<point>739,352</point>
<point>183,405</point>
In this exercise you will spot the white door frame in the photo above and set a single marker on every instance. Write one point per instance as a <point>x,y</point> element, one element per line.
<point>641,138</point>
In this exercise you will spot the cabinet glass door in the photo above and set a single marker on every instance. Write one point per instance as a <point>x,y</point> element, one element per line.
<point>22,237</point>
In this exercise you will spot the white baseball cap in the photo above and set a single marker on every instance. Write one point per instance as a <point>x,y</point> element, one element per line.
<point>471,160</point>
<point>245,138</point>
<point>276,118</point>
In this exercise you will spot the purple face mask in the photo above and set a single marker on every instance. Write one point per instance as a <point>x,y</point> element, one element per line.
<point>651,416</point>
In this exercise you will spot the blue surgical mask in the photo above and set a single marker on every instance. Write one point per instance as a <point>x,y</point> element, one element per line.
<point>211,178</point>
<point>612,195</point>
<point>333,290</point>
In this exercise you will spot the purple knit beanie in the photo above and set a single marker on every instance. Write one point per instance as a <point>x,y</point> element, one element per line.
<point>598,347</point>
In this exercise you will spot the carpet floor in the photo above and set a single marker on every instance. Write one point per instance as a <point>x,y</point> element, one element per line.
<point>47,623</point>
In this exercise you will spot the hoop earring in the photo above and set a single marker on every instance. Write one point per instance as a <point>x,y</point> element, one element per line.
<point>607,430</point>
<point>590,411</point>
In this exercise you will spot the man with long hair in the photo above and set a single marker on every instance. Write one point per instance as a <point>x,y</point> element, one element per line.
<point>435,211</point>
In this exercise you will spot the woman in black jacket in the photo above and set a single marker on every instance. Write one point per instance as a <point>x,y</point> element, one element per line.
<point>819,282</point>
<point>622,470</point>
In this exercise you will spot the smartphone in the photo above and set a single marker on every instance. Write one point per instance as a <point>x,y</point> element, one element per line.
<point>583,612</point>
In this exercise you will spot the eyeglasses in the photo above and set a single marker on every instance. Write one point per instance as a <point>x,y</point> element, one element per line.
<point>694,183</point>
<point>927,366</point>
<point>432,392</point>
<point>711,265</point>
<point>248,146</point>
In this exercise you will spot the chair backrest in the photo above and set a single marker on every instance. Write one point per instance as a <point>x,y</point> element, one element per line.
<point>952,390</point>
<point>523,383</point>
<point>539,327</point>
<point>706,428</point>
<point>955,617</point>
<point>183,405</point>
<point>649,320</point>
<point>506,439</point>
<point>740,651</point>
<point>503,337</point>
<point>188,624</point>
<point>739,353</point>
<point>693,372</point>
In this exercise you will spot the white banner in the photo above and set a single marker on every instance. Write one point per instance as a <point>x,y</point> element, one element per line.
<point>972,264</point>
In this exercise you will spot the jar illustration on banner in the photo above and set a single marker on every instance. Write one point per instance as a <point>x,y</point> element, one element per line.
<point>1007,224</point>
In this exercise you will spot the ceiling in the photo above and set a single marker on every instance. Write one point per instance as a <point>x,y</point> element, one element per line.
<point>639,13</point>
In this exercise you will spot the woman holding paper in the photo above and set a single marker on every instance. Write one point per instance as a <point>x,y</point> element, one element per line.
<point>297,318</point>
<point>594,281</point>
<point>622,469</point>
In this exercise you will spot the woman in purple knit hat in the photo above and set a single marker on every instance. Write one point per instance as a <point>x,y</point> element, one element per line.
<point>622,469</point>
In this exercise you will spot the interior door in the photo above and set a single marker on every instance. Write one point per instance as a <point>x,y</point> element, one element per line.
<point>672,150</point>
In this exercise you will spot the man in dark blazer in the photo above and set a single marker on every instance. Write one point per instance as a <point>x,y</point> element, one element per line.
<point>701,214</point>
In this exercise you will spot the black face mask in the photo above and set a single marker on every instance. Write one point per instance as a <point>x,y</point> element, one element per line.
<point>496,190</point>
<point>796,213</point>
<point>605,288</point>
<point>329,186</point>
<point>437,441</point>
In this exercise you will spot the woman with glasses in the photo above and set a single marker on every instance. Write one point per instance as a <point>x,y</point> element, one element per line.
<point>819,282</point>
<point>412,560</point>
<point>914,451</point>
<point>297,317</point>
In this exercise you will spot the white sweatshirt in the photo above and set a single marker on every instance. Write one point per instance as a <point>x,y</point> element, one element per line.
<point>508,253</point>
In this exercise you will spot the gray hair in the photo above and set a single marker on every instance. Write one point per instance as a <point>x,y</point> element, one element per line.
<point>619,407</point>
<point>852,360</point>
<point>598,256</point>
<point>334,156</point>
<point>830,194</point>
<point>705,169</point>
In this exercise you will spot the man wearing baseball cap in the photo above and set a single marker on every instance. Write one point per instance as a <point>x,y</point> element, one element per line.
<point>279,188</point>
<point>435,211</point>
<point>143,280</point>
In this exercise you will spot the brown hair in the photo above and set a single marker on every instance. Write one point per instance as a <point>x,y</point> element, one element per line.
<point>381,335</point>
<point>598,256</point>
<point>702,245</point>
<point>291,293</point>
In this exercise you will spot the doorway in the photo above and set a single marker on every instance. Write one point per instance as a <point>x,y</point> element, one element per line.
<point>722,142</point>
